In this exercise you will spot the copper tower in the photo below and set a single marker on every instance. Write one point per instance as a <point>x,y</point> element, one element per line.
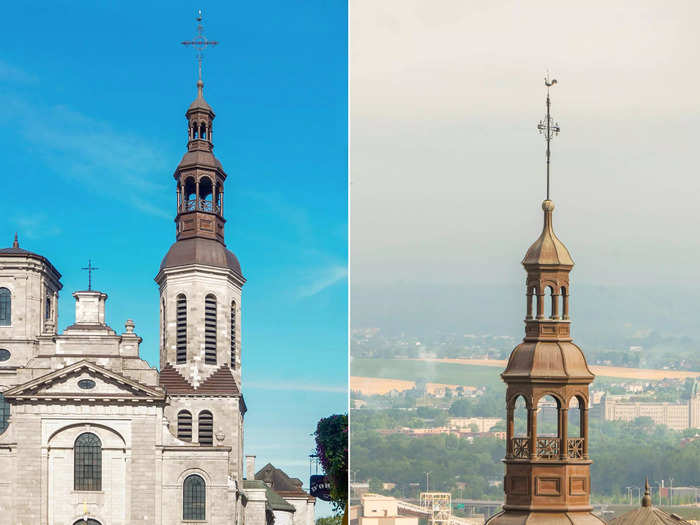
<point>547,478</point>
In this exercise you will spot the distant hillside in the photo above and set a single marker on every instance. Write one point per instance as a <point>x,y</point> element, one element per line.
<point>604,317</point>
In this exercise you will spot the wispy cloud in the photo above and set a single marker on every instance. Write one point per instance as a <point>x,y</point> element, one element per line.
<point>297,387</point>
<point>323,279</point>
<point>14,75</point>
<point>118,163</point>
<point>35,226</point>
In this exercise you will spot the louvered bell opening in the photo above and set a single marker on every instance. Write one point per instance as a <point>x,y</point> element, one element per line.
<point>233,335</point>
<point>210,330</point>
<point>206,429</point>
<point>181,332</point>
<point>184,426</point>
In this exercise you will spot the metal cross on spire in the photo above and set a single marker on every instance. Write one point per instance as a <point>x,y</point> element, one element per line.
<point>200,43</point>
<point>548,127</point>
<point>90,268</point>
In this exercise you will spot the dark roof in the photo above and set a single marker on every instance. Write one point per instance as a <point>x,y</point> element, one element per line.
<point>220,383</point>
<point>198,250</point>
<point>277,502</point>
<point>16,251</point>
<point>279,481</point>
<point>198,157</point>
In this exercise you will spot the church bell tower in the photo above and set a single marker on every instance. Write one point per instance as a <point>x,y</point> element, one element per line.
<point>200,284</point>
<point>547,474</point>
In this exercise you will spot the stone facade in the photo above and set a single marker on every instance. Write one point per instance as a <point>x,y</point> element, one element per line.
<point>90,430</point>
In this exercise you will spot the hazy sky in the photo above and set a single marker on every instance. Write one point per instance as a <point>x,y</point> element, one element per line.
<point>447,167</point>
<point>93,99</point>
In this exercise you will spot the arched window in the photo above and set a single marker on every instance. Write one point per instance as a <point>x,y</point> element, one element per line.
<point>184,425</point>
<point>210,330</point>
<point>90,521</point>
<point>181,322</point>
<point>203,131</point>
<point>87,462</point>
<point>548,428</point>
<point>194,498</point>
<point>549,302</point>
<point>206,428</point>
<point>520,417</point>
<point>206,194</point>
<point>194,130</point>
<point>4,414</point>
<point>5,307</point>
<point>233,334</point>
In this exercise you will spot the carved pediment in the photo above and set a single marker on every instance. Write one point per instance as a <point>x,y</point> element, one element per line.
<point>85,380</point>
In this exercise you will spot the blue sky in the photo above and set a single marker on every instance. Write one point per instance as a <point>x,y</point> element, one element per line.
<point>93,100</point>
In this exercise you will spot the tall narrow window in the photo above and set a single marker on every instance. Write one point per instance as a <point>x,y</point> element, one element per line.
<point>206,428</point>
<point>5,307</point>
<point>181,321</point>
<point>194,498</point>
<point>184,425</point>
<point>210,330</point>
<point>4,414</point>
<point>233,334</point>
<point>47,308</point>
<point>87,462</point>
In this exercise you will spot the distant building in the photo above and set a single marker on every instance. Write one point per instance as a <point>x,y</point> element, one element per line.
<point>676,416</point>
<point>358,490</point>
<point>483,424</point>
<point>383,510</point>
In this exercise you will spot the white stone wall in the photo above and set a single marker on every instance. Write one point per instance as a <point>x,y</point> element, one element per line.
<point>29,281</point>
<point>305,510</point>
<point>196,283</point>
<point>228,424</point>
<point>212,465</point>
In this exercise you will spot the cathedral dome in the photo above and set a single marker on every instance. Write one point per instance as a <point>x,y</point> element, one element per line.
<point>16,251</point>
<point>548,250</point>
<point>199,250</point>
<point>547,360</point>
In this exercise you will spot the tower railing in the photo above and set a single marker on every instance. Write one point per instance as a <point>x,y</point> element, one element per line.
<point>200,205</point>
<point>548,447</point>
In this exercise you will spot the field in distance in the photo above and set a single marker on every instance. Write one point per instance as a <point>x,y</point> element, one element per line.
<point>379,376</point>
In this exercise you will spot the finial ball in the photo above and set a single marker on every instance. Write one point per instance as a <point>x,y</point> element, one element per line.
<point>548,205</point>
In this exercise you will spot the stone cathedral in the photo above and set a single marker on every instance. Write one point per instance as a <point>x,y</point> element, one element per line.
<point>90,434</point>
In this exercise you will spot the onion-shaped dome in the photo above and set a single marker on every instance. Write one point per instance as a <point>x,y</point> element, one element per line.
<point>548,250</point>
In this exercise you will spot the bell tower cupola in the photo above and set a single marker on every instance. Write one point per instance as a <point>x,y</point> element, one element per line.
<point>200,177</point>
<point>547,466</point>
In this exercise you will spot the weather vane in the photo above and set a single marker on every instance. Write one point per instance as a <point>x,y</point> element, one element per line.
<point>200,43</point>
<point>548,127</point>
<point>90,268</point>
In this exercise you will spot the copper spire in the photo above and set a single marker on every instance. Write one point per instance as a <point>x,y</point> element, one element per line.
<point>548,127</point>
<point>15,244</point>
<point>646,500</point>
<point>200,43</point>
